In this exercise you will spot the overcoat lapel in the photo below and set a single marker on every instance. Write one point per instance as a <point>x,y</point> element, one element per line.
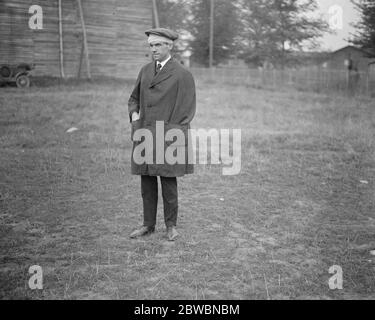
<point>163,74</point>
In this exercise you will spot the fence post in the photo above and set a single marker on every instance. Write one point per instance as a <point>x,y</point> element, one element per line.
<point>290,77</point>
<point>261,73</point>
<point>347,81</point>
<point>308,78</point>
<point>212,75</point>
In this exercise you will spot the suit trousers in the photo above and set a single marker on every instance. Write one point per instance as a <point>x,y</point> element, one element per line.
<point>149,189</point>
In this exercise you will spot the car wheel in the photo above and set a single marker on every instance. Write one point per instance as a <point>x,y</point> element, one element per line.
<point>23,81</point>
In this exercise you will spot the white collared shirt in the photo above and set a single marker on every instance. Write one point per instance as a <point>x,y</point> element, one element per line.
<point>164,62</point>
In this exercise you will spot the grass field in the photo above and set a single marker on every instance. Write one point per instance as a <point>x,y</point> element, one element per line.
<point>304,199</point>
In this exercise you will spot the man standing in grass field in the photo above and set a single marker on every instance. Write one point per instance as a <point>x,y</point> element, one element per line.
<point>164,91</point>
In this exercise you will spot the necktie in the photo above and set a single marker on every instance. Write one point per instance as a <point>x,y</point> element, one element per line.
<point>158,67</point>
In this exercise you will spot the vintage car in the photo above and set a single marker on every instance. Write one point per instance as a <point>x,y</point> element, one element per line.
<point>18,73</point>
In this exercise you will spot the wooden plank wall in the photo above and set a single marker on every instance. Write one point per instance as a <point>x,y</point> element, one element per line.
<point>16,42</point>
<point>115,33</point>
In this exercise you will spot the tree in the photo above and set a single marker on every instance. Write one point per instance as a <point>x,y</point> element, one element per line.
<point>365,35</point>
<point>226,27</point>
<point>258,28</point>
<point>173,14</point>
<point>275,28</point>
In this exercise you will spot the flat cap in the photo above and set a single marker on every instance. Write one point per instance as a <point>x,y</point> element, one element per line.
<point>163,32</point>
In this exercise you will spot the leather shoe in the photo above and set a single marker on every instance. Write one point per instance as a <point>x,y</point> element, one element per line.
<point>172,233</point>
<point>142,231</point>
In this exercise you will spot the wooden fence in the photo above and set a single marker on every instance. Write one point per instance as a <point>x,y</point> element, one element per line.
<point>308,79</point>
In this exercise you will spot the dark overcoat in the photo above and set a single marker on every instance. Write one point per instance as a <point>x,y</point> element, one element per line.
<point>167,96</point>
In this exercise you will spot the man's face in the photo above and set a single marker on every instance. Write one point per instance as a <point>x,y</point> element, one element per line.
<point>160,50</point>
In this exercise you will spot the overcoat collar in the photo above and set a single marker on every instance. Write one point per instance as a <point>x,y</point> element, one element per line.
<point>164,73</point>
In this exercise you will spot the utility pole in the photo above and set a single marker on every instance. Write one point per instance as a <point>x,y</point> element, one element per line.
<point>85,46</point>
<point>156,15</point>
<point>211,45</point>
<point>62,74</point>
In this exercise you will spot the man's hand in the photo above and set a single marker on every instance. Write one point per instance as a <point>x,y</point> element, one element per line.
<point>135,116</point>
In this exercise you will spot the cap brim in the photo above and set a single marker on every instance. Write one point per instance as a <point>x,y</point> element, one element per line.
<point>169,35</point>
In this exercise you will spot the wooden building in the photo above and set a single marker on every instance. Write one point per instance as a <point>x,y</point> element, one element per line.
<point>116,41</point>
<point>350,58</point>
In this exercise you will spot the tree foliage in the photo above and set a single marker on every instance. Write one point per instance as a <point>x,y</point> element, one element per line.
<point>365,35</point>
<point>226,28</point>
<point>272,29</point>
<point>257,30</point>
<point>173,14</point>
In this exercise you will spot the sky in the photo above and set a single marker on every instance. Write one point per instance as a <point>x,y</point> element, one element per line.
<point>349,15</point>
